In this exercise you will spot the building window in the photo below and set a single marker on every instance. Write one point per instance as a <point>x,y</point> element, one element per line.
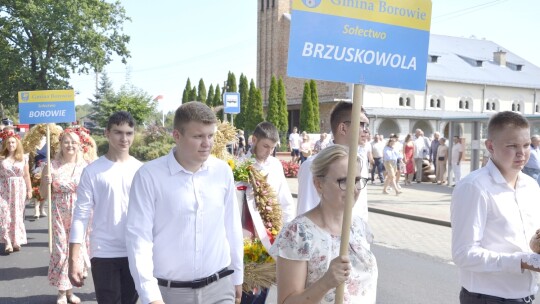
<point>516,106</point>
<point>267,3</point>
<point>461,105</point>
<point>435,102</point>
<point>467,104</point>
<point>273,3</point>
<point>262,5</point>
<point>405,101</point>
<point>537,108</point>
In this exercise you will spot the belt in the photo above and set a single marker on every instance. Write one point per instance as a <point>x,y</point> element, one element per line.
<point>195,284</point>
<point>528,299</point>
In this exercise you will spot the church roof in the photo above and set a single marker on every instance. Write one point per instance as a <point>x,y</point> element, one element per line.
<point>469,60</point>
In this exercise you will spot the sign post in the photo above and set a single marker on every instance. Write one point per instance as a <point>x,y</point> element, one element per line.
<point>380,43</point>
<point>51,106</point>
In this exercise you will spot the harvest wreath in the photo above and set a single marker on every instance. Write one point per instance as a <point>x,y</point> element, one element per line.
<point>259,267</point>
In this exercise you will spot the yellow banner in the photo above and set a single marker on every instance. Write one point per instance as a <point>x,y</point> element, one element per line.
<point>46,96</point>
<point>414,14</point>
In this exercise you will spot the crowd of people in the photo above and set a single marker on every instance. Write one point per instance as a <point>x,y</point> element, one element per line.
<point>153,232</point>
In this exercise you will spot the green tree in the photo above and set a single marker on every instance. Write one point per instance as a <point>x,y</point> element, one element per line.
<point>187,91</point>
<point>273,114</point>
<point>131,99</point>
<point>193,94</point>
<point>210,97</point>
<point>255,115</point>
<point>315,103</point>
<point>231,83</point>
<point>240,120</point>
<point>217,97</point>
<point>306,113</point>
<point>45,41</point>
<point>201,91</point>
<point>284,114</point>
<point>104,92</point>
<point>83,111</point>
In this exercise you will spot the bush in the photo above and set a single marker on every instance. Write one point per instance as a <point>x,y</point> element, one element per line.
<point>290,169</point>
<point>147,145</point>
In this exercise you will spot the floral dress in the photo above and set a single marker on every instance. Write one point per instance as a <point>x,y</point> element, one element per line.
<point>302,240</point>
<point>65,178</point>
<point>12,201</point>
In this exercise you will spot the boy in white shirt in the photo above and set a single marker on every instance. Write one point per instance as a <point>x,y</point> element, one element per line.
<point>102,199</point>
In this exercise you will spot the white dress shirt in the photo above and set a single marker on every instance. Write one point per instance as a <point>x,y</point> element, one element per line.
<point>182,225</point>
<point>492,225</point>
<point>308,197</point>
<point>276,178</point>
<point>103,196</point>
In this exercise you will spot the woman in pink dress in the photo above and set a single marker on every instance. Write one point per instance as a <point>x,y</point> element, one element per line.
<point>408,158</point>
<point>15,188</point>
<point>64,176</point>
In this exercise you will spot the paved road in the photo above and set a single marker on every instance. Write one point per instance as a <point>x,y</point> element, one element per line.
<point>23,275</point>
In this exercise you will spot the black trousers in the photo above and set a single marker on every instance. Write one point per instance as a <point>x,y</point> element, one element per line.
<point>113,281</point>
<point>466,297</point>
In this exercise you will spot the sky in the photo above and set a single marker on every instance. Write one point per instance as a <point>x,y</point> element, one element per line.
<point>172,40</point>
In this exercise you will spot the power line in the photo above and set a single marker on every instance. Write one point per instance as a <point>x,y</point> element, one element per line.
<point>466,11</point>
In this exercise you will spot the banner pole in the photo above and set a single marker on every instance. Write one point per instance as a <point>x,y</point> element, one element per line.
<point>49,185</point>
<point>351,176</point>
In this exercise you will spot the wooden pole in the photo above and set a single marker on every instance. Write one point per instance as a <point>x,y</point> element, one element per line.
<point>49,185</point>
<point>351,176</point>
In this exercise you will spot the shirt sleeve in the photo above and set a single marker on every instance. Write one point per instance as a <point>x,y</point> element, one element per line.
<point>139,237</point>
<point>83,208</point>
<point>469,211</point>
<point>284,196</point>
<point>295,242</point>
<point>233,231</point>
<point>308,197</point>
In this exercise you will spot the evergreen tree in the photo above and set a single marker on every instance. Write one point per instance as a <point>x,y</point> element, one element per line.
<point>104,92</point>
<point>255,115</point>
<point>231,82</point>
<point>284,114</point>
<point>240,119</point>
<point>315,103</point>
<point>201,91</point>
<point>210,97</point>
<point>187,91</point>
<point>193,94</point>
<point>217,97</point>
<point>306,113</point>
<point>273,114</point>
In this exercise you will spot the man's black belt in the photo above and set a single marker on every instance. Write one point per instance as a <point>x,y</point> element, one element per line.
<point>528,299</point>
<point>195,284</point>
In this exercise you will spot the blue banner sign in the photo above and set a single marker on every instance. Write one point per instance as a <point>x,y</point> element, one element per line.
<point>51,106</point>
<point>381,43</point>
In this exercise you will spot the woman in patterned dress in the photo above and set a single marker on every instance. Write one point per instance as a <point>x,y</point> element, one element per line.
<point>309,267</point>
<point>15,188</point>
<point>64,176</point>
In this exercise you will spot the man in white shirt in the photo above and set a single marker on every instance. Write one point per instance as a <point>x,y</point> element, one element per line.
<point>294,145</point>
<point>377,148</point>
<point>494,215</point>
<point>340,122</point>
<point>421,151</point>
<point>102,198</point>
<point>183,233</point>
<point>457,157</point>
<point>265,138</point>
<point>532,168</point>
